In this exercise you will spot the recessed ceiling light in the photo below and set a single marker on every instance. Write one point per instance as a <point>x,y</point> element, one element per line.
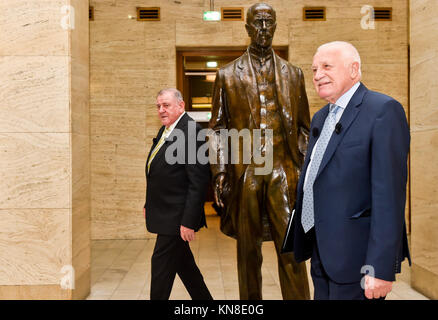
<point>211,64</point>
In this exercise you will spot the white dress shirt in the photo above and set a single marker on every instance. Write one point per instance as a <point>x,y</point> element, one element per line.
<point>173,125</point>
<point>166,133</point>
<point>342,102</point>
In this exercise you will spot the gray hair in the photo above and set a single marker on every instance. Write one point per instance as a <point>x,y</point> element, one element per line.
<point>176,93</point>
<point>349,52</point>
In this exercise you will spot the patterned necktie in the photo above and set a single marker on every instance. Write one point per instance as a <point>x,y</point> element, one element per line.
<point>158,146</point>
<point>308,215</point>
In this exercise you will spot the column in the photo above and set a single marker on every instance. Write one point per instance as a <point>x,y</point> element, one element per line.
<point>44,150</point>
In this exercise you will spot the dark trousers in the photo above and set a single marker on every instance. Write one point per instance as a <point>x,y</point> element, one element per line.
<point>172,255</point>
<point>324,287</point>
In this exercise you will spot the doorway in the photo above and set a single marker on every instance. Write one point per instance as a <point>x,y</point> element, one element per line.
<point>196,73</point>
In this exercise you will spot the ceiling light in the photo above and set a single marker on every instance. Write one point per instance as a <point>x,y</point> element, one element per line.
<point>211,64</point>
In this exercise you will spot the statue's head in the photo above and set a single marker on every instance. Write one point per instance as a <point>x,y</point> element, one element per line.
<point>261,24</point>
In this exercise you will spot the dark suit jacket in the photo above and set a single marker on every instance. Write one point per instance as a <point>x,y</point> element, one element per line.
<point>236,105</point>
<point>359,191</point>
<point>175,193</point>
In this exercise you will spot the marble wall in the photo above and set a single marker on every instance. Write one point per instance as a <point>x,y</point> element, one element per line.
<point>44,147</point>
<point>80,228</point>
<point>424,146</point>
<point>66,153</point>
<point>59,145</point>
<point>131,61</point>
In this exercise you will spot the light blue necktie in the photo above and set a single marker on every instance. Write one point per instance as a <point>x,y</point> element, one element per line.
<point>307,214</point>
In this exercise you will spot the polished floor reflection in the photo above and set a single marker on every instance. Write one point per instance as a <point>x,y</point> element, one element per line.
<point>120,269</point>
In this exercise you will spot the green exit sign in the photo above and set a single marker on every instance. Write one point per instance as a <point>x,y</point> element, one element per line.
<point>212,16</point>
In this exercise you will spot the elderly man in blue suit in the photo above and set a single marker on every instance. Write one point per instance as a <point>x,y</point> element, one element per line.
<point>351,195</point>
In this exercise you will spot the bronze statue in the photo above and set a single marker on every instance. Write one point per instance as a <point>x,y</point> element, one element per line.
<point>260,90</point>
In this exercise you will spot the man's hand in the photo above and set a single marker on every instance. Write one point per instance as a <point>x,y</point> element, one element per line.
<point>219,189</point>
<point>187,234</point>
<point>376,288</point>
<point>144,213</point>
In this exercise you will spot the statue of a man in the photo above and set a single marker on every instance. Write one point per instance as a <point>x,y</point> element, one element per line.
<point>261,91</point>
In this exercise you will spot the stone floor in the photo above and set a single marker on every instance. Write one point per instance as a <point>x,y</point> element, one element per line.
<point>120,269</point>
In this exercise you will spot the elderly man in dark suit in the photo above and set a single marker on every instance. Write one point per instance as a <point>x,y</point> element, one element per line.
<point>351,194</point>
<point>175,195</point>
<point>260,91</point>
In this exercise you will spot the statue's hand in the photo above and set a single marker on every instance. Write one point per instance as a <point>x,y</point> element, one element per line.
<point>219,189</point>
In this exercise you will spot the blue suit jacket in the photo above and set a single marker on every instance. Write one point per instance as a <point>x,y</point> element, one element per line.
<point>359,191</point>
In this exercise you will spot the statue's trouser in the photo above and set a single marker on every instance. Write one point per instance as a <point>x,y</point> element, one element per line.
<point>266,195</point>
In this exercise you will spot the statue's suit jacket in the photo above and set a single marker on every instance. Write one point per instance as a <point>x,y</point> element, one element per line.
<point>359,191</point>
<point>236,105</point>
<point>175,193</point>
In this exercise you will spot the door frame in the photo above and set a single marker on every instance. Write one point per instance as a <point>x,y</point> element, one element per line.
<point>237,51</point>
